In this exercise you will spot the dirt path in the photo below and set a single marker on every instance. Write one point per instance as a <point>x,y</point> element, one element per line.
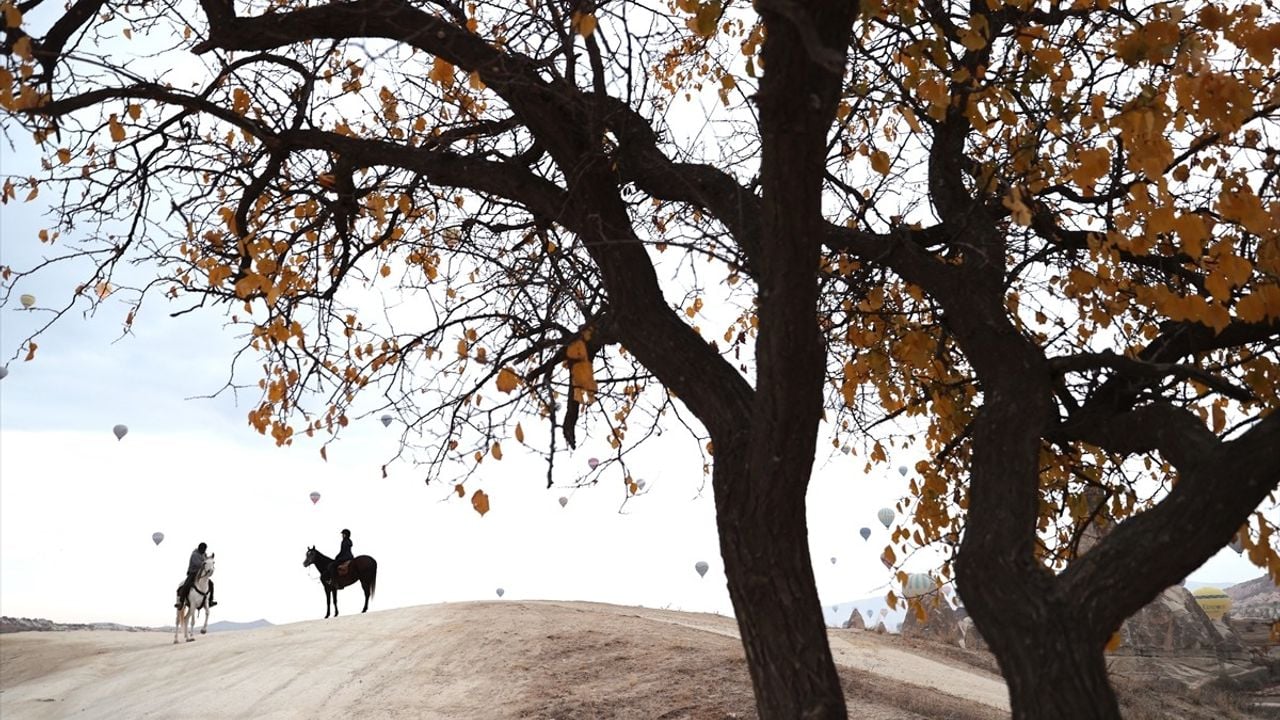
<point>497,661</point>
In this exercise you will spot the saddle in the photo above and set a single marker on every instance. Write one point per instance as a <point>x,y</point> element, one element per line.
<point>342,569</point>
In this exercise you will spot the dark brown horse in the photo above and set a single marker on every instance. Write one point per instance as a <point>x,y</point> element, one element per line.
<point>362,568</point>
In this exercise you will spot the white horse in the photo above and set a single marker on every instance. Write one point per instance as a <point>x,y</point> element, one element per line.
<point>192,602</point>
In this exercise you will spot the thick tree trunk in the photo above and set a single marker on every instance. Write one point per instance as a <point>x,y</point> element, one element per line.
<point>1054,667</point>
<point>764,543</point>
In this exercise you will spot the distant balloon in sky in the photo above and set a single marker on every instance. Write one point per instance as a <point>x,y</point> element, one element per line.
<point>593,462</point>
<point>563,501</point>
<point>157,537</point>
<point>868,613</point>
<point>833,561</point>
<point>902,470</point>
<point>501,592</point>
<point>315,498</point>
<point>835,608</point>
<point>386,420</point>
<point>884,611</point>
<point>917,584</point>
<point>27,300</point>
<point>4,372</point>
<point>1237,544</point>
<point>865,533</point>
<point>886,516</point>
<point>120,431</point>
<point>640,484</point>
<point>702,568</point>
<point>845,450</point>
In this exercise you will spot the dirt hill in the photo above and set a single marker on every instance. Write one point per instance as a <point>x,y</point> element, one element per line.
<point>458,661</point>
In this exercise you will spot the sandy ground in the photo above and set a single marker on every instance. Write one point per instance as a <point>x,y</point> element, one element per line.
<point>494,660</point>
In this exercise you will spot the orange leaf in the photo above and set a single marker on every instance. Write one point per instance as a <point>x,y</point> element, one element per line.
<point>117,130</point>
<point>519,433</point>
<point>31,351</point>
<point>496,451</point>
<point>480,502</point>
<point>507,380</point>
<point>460,490</point>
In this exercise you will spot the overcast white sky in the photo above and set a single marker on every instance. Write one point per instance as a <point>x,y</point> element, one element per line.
<point>78,507</point>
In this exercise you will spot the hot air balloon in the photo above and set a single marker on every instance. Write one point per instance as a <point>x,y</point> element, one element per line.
<point>917,584</point>
<point>865,533</point>
<point>884,611</point>
<point>120,431</point>
<point>1237,544</point>
<point>315,498</point>
<point>886,516</point>
<point>386,420</point>
<point>501,592</point>
<point>902,470</point>
<point>157,537</point>
<point>1213,601</point>
<point>833,561</point>
<point>640,484</point>
<point>563,501</point>
<point>4,372</point>
<point>835,608</point>
<point>702,568</point>
<point>27,300</point>
<point>845,450</point>
<point>868,613</point>
<point>593,462</point>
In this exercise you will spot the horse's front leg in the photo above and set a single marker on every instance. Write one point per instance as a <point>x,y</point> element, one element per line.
<point>326,602</point>
<point>177,625</point>
<point>205,630</point>
<point>335,600</point>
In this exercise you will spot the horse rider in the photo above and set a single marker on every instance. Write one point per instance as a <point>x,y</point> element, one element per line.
<point>344,554</point>
<point>193,568</point>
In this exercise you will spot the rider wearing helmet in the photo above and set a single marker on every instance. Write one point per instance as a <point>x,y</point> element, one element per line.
<point>193,568</point>
<point>344,554</point>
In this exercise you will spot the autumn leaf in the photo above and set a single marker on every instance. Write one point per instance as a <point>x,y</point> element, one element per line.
<point>12,15</point>
<point>880,162</point>
<point>22,48</point>
<point>480,502</point>
<point>584,23</point>
<point>496,451</point>
<point>519,433</point>
<point>508,380</point>
<point>441,72</point>
<point>117,130</point>
<point>462,492</point>
<point>31,351</point>
<point>64,156</point>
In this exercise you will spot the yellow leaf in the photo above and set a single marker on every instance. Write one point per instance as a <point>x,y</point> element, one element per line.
<point>480,502</point>
<point>577,350</point>
<point>1114,642</point>
<point>441,72</point>
<point>12,16</point>
<point>519,433</point>
<point>584,23</point>
<point>704,21</point>
<point>117,130</point>
<point>22,48</point>
<point>507,380</point>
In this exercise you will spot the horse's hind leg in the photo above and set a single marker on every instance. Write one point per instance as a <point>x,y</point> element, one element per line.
<point>365,586</point>
<point>177,626</point>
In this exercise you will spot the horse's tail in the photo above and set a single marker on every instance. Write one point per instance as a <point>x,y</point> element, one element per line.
<point>373,577</point>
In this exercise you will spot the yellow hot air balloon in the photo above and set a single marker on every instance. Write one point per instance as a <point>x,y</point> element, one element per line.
<point>1213,601</point>
<point>27,300</point>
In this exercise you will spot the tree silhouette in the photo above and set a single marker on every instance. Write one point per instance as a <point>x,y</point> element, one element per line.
<point>1039,240</point>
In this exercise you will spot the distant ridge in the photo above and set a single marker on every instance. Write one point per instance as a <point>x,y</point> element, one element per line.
<point>11,625</point>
